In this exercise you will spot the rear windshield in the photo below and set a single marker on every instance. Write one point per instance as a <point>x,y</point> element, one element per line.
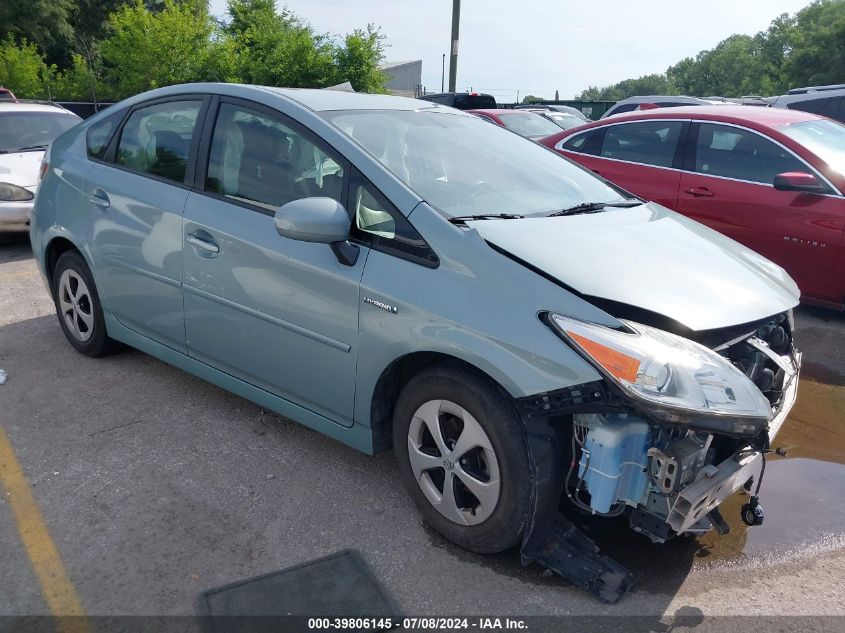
<point>23,130</point>
<point>529,124</point>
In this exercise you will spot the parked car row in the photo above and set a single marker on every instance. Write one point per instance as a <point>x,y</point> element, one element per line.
<point>390,271</point>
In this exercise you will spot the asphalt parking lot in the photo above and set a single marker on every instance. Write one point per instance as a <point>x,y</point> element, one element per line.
<point>155,485</point>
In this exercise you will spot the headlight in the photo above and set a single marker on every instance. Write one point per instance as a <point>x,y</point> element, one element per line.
<point>674,379</point>
<point>13,193</point>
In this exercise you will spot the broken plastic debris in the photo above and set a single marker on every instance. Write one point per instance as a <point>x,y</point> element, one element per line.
<point>2,376</point>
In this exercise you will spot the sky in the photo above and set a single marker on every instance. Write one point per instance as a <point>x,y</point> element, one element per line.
<point>539,46</point>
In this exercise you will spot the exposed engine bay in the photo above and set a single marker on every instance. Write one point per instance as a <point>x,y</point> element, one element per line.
<point>672,478</point>
<point>667,468</point>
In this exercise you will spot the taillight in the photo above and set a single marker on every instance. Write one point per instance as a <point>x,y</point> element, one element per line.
<point>45,165</point>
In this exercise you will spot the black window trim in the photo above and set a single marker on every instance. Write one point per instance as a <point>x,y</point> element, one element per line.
<point>207,135</point>
<point>377,242</point>
<point>111,152</point>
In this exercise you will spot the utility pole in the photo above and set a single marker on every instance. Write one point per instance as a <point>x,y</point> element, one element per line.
<point>453,60</point>
<point>443,75</point>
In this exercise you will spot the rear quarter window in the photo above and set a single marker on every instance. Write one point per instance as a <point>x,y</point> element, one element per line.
<point>814,106</point>
<point>588,142</point>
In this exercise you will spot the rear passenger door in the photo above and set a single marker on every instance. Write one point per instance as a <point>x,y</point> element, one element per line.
<point>278,313</point>
<point>136,192</point>
<point>641,156</point>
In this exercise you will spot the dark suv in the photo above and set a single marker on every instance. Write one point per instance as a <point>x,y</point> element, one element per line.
<point>462,100</point>
<point>827,101</point>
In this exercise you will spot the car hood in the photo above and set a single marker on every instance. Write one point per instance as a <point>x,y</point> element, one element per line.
<point>651,258</point>
<point>20,168</point>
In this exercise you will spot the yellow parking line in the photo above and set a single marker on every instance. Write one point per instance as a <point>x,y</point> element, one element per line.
<point>56,587</point>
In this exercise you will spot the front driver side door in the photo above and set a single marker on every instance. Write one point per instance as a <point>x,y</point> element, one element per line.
<point>277,313</point>
<point>729,188</point>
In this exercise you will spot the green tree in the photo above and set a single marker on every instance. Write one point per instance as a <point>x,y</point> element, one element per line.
<point>359,58</point>
<point>45,23</point>
<point>24,71</point>
<point>645,85</point>
<point>817,54</point>
<point>277,49</point>
<point>805,49</point>
<point>531,99</point>
<point>178,44</point>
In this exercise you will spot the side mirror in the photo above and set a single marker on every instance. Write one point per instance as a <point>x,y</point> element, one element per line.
<point>798,181</point>
<point>320,220</point>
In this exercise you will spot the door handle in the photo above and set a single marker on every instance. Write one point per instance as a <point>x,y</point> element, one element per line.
<point>205,245</point>
<point>700,192</point>
<point>100,198</point>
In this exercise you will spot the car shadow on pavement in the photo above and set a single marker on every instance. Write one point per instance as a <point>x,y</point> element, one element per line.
<point>14,247</point>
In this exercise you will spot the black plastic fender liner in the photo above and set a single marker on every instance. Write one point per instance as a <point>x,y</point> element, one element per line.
<point>550,538</point>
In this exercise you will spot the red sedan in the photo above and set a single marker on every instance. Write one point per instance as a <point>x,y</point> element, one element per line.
<point>771,179</point>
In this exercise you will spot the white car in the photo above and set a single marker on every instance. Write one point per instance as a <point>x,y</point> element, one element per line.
<point>26,130</point>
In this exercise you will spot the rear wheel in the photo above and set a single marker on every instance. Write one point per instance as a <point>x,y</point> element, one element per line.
<point>78,307</point>
<point>463,458</point>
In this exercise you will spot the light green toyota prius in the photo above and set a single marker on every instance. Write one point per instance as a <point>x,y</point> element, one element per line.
<point>532,341</point>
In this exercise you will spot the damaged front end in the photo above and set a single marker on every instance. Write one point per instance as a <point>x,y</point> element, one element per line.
<point>675,427</point>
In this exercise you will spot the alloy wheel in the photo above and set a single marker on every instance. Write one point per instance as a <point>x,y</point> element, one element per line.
<point>454,462</point>
<point>76,306</point>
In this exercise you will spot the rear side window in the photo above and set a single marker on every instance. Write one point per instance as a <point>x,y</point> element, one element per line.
<point>99,135</point>
<point>474,102</point>
<point>731,152</point>
<point>625,107</point>
<point>156,140</point>
<point>814,106</point>
<point>835,109</point>
<point>647,143</point>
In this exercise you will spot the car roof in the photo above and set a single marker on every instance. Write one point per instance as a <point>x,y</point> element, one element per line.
<point>649,98</point>
<point>827,93</point>
<point>315,99</point>
<point>322,100</point>
<point>23,106</point>
<point>768,117</point>
<point>498,111</point>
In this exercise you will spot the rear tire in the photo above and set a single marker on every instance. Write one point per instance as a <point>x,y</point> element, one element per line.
<point>78,307</point>
<point>462,456</point>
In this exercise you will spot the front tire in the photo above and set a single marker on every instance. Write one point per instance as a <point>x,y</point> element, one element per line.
<point>463,458</point>
<point>78,307</point>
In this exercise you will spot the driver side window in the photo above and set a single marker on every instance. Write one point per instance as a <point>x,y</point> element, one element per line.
<point>259,159</point>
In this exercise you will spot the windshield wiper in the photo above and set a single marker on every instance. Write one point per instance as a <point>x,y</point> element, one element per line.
<point>460,219</point>
<point>593,207</point>
<point>29,148</point>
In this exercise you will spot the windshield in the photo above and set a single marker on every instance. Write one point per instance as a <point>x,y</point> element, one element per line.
<point>462,165</point>
<point>529,124</point>
<point>823,137</point>
<point>32,129</point>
